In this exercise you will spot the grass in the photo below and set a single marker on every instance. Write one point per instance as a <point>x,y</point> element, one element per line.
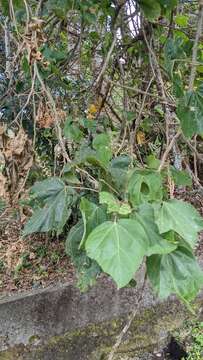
<point>191,336</point>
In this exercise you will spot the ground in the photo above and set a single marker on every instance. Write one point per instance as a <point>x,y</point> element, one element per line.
<point>31,262</point>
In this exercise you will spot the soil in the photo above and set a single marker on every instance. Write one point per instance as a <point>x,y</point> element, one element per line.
<point>33,262</point>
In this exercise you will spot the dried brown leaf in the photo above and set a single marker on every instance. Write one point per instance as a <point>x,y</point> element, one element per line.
<point>2,185</point>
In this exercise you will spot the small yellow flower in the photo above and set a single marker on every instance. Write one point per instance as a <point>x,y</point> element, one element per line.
<point>140,138</point>
<point>92,109</point>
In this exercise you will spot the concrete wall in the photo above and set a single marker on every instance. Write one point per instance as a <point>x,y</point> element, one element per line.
<point>61,323</point>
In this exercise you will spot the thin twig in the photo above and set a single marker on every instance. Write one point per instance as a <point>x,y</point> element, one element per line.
<point>127,326</point>
<point>106,62</point>
<point>138,120</point>
<point>27,15</point>
<point>57,121</point>
<point>195,179</point>
<point>168,149</point>
<point>84,188</point>
<point>142,92</point>
<point>195,157</point>
<point>28,99</point>
<point>12,15</point>
<point>39,6</point>
<point>169,116</point>
<point>7,49</point>
<point>195,47</point>
<point>198,155</point>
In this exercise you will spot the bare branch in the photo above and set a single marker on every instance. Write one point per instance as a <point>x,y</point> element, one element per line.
<point>195,47</point>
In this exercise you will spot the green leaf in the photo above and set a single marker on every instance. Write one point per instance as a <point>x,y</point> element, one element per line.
<point>118,247</point>
<point>173,49</point>
<point>43,190</point>
<point>54,54</point>
<point>87,269</point>
<point>181,217</point>
<point>118,169</point>
<point>113,204</point>
<point>52,217</point>
<point>175,273</point>
<point>125,209</point>
<point>101,144</point>
<point>101,140</point>
<point>99,158</point>
<point>88,276</point>
<point>72,244</point>
<point>190,113</point>
<point>156,244</point>
<point>144,186</point>
<point>4,4</point>
<point>69,175</point>
<point>56,200</point>
<point>151,9</point>
<point>153,162</point>
<point>25,65</point>
<point>104,155</point>
<point>178,87</point>
<point>181,177</point>
<point>71,178</point>
<point>168,4</point>
<point>60,7</point>
<point>71,131</point>
<point>93,215</point>
<point>186,115</point>
<point>182,20</point>
<point>109,199</point>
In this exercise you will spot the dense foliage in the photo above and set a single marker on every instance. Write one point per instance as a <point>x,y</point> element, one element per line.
<point>109,97</point>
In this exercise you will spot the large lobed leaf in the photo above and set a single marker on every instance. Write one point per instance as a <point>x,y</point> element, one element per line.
<point>118,247</point>
<point>156,243</point>
<point>118,169</point>
<point>190,112</point>
<point>144,185</point>
<point>151,9</point>
<point>175,273</point>
<point>92,215</point>
<point>57,199</point>
<point>87,269</point>
<point>42,190</point>
<point>180,217</point>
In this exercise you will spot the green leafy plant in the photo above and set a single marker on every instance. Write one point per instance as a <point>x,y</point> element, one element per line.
<point>119,229</point>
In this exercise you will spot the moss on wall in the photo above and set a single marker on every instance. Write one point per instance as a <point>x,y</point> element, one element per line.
<point>149,330</point>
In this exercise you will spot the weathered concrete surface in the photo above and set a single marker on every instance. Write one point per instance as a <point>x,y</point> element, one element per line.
<point>54,311</point>
<point>95,341</point>
<point>62,324</point>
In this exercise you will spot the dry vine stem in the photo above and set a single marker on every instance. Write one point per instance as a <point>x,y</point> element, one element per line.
<point>195,47</point>
<point>168,149</point>
<point>131,318</point>
<point>57,123</point>
<point>170,143</point>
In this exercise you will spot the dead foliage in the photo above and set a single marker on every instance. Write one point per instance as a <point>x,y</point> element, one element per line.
<point>32,262</point>
<point>16,158</point>
<point>45,117</point>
